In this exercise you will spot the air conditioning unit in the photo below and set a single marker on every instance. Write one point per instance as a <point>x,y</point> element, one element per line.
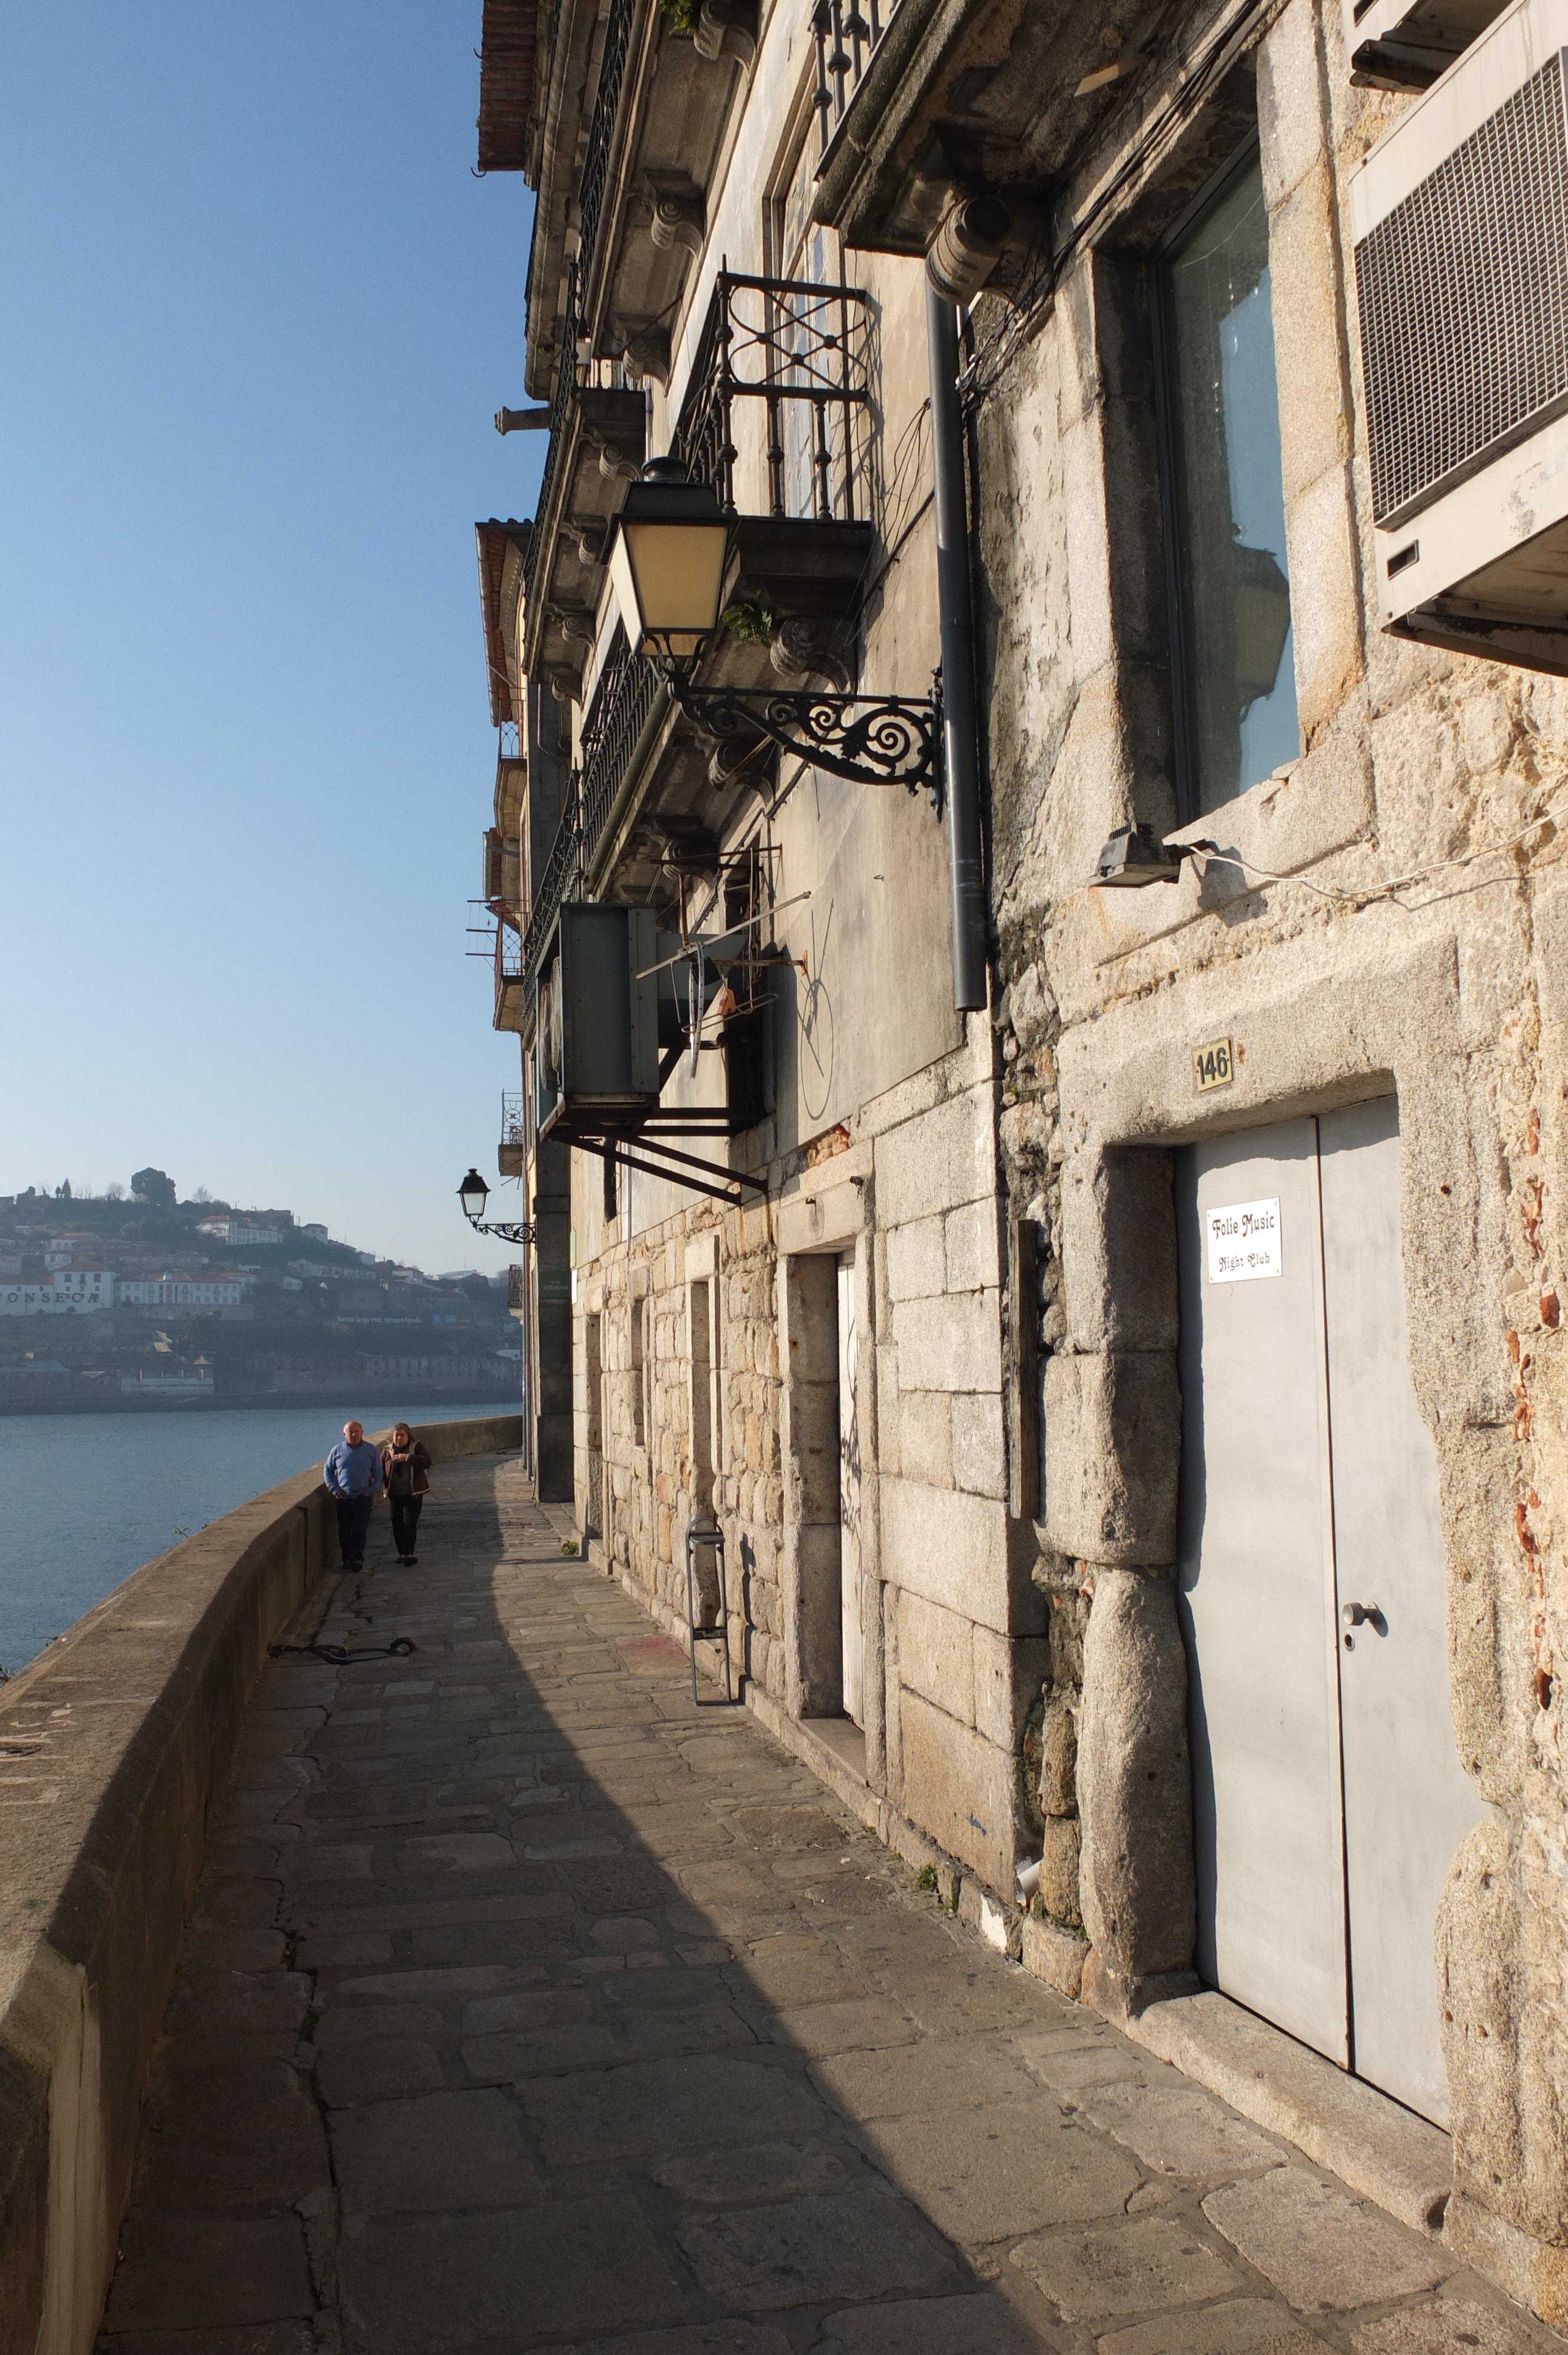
<point>1459,221</point>
<point>596,1043</point>
<point>1407,44</point>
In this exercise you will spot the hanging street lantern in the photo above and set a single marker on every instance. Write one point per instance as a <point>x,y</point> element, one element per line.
<point>668,554</point>
<point>473,1194</point>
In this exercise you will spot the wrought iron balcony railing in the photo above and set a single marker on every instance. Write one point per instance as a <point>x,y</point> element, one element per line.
<point>622,702</point>
<point>847,32</point>
<point>799,350</point>
<point>560,404</point>
<point>601,136</point>
<point>513,1129</point>
<point>625,696</point>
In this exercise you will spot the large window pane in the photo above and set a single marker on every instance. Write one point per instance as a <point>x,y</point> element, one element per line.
<point>1222,406</point>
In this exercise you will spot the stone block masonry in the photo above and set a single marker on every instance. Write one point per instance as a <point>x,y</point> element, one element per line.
<point>527,2006</point>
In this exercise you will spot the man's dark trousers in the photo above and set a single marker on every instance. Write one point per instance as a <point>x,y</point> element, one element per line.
<point>353,1525</point>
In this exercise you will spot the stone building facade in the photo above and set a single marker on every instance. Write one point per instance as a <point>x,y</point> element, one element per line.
<point>1225,1589</point>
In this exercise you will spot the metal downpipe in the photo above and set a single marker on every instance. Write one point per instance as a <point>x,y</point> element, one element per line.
<point>961,735</point>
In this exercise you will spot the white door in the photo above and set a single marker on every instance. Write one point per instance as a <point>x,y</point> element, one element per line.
<point>1328,1797</point>
<point>849,1500</point>
<point>1257,1587</point>
<point>1408,1800</point>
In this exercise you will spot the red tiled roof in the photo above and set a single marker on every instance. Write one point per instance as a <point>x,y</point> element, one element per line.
<point>508,59</point>
<point>494,539</point>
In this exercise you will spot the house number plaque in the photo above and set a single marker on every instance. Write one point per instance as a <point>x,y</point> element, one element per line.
<point>1213,1066</point>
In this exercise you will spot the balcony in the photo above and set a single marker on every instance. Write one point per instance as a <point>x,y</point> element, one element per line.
<point>784,365</point>
<point>973,95</point>
<point>511,1003</point>
<point>596,446</point>
<point>511,1152</point>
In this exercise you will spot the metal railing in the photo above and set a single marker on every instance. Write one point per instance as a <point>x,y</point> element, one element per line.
<point>847,33</point>
<point>562,869</point>
<point>802,350</point>
<point>513,1126</point>
<point>622,701</point>
<point>601,135</point>
<point>561,399</point>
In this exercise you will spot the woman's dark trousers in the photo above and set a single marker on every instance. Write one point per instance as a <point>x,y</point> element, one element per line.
<point>406,1522</point>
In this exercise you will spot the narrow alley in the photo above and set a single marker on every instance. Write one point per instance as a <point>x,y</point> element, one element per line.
<point>525,2006</point>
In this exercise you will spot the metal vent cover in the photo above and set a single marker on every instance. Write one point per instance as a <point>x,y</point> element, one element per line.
<point>1462,291</point>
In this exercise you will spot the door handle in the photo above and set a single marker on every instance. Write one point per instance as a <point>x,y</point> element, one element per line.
<point>1364,1614</point>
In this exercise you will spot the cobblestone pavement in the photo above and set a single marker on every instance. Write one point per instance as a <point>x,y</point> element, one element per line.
<point>526,2006</point>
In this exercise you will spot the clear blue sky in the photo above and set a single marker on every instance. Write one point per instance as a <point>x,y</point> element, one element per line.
<point>256,315</point>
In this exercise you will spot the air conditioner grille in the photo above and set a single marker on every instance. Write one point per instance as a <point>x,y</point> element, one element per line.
<point>1463,294</point>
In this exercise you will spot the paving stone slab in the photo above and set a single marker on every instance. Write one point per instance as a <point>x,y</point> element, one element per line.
<point>979,2324</point>
<point>1148,2266</point>
<point>1177,2129</point>
<point>437,2151</point>
<point>250,2338</point>
<point>1319,2246</point>
<point>659,2107</point>
<point>194,2273</point>
<point>377,2071</point>
<point>756,2171</point>
<point>418,2285</point>
<point>854,2244</point>
<point>993,2173</point>
<point>1451,2327</point>
<point>697,2339</point>
<point>936,2074</point>
<point>1247,2326</point>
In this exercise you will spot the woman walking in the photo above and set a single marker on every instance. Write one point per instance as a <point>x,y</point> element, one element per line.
<point>406,1468</point>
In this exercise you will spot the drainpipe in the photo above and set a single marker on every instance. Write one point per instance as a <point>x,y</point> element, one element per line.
<point>966,860</point>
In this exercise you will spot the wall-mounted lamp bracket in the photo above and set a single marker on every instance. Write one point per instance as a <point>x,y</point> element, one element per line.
<point>870,740</point>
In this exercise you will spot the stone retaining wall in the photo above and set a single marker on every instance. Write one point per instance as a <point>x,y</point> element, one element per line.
<point>114,1746</point>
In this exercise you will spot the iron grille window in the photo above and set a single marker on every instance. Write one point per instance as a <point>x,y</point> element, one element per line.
<point>1463,296</point>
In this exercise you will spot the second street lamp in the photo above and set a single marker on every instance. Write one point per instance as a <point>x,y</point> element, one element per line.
<point>473,1194</point>
<point>667,562</point>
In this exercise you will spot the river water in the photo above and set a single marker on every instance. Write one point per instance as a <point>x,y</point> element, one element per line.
<point>86,1498</point>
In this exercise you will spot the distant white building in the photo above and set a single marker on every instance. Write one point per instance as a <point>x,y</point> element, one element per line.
<point>194,1383</point>
<point>68,1290</point>
<point>180,1291</point>
<point>225,1229</point>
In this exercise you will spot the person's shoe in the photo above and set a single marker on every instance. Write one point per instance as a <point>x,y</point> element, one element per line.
<point>411,1557</point>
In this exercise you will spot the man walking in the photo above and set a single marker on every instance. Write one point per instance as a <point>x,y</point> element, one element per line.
<point>352,1476</point>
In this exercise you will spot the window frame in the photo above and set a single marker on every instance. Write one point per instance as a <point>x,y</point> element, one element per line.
<point>1163,337</point>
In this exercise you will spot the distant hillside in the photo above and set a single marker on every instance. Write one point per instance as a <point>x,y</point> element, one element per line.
<point>304,1317</point>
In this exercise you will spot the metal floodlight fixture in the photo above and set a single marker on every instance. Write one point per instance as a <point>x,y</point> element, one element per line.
<point>667,561</point>
<point>1132,857</point>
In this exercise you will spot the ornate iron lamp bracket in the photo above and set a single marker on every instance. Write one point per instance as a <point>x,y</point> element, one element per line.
<point>509,1231</point>
<point>871,740</point>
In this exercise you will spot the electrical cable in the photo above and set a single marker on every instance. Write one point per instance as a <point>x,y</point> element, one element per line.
<point>337,1655</point>
<point>1211,856</point>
